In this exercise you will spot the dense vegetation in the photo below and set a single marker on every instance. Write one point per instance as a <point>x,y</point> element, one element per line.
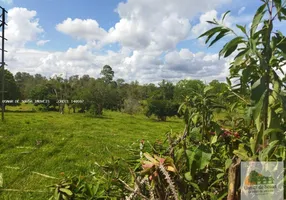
<point>225,123</point>
<point>87,94</point>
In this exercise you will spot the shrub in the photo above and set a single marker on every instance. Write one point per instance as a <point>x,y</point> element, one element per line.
<point>162,109</point>
<point>131,106</point>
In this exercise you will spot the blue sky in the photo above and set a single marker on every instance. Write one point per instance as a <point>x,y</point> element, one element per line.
<point>143,40</point>
<point>52,12</point>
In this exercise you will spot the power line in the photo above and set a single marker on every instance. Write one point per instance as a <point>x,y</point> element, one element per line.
<point>3,24</point>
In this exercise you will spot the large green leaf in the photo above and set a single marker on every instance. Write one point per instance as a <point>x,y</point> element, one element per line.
<point>214,139</point>
<point>258,89</point>
<point>231,46</point>
<point>222,195</point>
<point>211,31</point>
<point>210,36</point>
<point>240,57</point>
<point>283,11</point>
<point>269,131</point>
<point>227,164</point>
<point>188,176</point>
<point>253,145</point>
<point>67,191</point>
<point>222,33</point>
<point>228,81</point>
<point>278,8</point>
<point>258,139</point>
<point>225,14</point>
<point>246,73</point>
<point>257,112</point>
<point>265,154</point>
<point>202,157</point>
<point>196,186</point>
<point>191,157</point>
<point>242,28</point>
<point>230,50</point>
<point>233,106</point>
<point>273,120</point>
<point>242,153</point>
<point>257,19</point>
<point>276,86</point>
<point>186,115</point>
<point>281,41</point>
<point>220,175</point>
<point>212,22</point>
<point>281,152</point>
<point>277,4</point>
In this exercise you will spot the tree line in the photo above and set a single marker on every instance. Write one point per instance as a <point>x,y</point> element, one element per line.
<point>161,100</point>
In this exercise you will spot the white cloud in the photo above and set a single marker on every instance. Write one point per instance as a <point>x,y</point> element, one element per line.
<point>146,31</point>
<point>82,29</point>
<point>48,63</point>
<point>240,11</point>
<point>23,27</point>
<point>156,25</point>
<point>203,26</point>
<point>74,61</point>
<point>144,24</point>
<point>196,65</point>
<point>42,42</point>
<point>127,64</point>
<point>24,60</point>
<point>154,11</point>
<point>139,35</point>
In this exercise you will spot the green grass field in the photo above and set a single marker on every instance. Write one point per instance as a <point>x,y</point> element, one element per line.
<point>50,143</point>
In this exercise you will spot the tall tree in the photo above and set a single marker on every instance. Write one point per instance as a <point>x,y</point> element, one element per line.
<point>11,90</point>
<point>107,74</point>
<point>186,88</point>
<point>161,102</point>
<point>25,82</point>
<point>166,90</point>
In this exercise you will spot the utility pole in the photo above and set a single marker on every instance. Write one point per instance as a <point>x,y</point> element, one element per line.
<point>3,23</point>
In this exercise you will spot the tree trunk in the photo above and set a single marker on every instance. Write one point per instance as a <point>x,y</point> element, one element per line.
<point>162,118</point>
<point>99,109</point>
<point>233,179</point>
<point>3,108</point>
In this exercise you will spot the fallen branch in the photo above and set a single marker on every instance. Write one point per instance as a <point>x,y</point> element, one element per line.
<point>44,175</point>
<point>132,190</point>
<point>16,190</point>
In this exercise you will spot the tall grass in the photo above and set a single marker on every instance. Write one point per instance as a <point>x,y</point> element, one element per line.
<point>33,145</point>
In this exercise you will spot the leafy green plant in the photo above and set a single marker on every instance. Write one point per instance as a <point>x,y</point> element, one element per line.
<point>64,189</point>
<point>157,170</point>
<point>102,183</point>
<point>260,55</point>
<point>198,111</point>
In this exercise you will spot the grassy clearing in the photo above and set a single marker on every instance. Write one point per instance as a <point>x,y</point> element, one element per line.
<point>51,143</point>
